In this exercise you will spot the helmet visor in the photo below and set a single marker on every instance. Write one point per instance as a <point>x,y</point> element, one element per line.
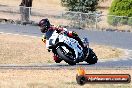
<point>43,29</point>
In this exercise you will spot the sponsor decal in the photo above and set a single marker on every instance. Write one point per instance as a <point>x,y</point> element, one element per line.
<point>83,78</point>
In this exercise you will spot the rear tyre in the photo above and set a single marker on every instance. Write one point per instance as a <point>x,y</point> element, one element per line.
<point>67,58</point>
<point>92,58</point>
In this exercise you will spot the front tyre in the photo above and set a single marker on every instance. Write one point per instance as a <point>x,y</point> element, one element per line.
<point>67,57</point>
<point>92,58</point>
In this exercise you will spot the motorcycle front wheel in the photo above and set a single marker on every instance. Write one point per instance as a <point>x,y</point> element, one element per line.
<point>67,56</point>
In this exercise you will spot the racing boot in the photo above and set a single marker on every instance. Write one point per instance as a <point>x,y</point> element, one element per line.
<point>57,59</point>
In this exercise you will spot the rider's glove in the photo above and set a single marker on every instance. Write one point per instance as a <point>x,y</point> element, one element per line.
<point>44,39</point>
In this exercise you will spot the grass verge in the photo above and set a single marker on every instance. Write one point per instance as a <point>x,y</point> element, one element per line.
<point>53,79</point>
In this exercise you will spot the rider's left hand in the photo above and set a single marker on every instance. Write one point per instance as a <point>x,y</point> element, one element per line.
<point>44,40</point>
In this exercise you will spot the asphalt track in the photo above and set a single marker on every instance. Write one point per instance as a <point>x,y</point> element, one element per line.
<point>115,39</point>
<point>63,66</point>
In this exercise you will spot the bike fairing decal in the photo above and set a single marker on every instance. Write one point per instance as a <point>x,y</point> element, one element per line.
<point>75,45</point>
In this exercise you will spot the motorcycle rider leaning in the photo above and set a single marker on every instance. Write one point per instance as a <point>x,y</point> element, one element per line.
<point>48,29</point>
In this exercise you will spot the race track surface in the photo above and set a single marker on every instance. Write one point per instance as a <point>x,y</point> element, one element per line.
<point>115,39</point>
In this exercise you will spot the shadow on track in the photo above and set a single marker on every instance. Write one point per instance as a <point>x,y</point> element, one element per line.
<point>121,63</point>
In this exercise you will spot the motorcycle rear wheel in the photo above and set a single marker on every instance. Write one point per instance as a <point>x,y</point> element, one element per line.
<point>92,58</point>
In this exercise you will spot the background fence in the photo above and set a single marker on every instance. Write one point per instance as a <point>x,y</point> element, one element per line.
<point>91,21</point>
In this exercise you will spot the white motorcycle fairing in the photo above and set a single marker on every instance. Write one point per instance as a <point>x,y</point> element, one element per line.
<point>52,39</point>
<point>71,43</point>
<point>65,39</point>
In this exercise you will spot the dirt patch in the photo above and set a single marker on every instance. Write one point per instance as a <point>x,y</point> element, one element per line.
<point>17,49</point>
<point>53,79</point>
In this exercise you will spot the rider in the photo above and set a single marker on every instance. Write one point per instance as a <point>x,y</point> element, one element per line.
<point>48,29</point>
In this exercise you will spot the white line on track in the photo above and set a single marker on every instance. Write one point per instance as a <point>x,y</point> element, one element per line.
<point>19,34</point>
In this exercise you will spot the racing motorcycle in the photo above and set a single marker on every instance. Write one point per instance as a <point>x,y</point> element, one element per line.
<point>69,50</point>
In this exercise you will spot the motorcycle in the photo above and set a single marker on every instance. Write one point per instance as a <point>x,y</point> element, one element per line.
<point>69,50</point>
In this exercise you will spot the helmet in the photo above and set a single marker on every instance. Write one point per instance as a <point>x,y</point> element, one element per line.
<point>44,25</point>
